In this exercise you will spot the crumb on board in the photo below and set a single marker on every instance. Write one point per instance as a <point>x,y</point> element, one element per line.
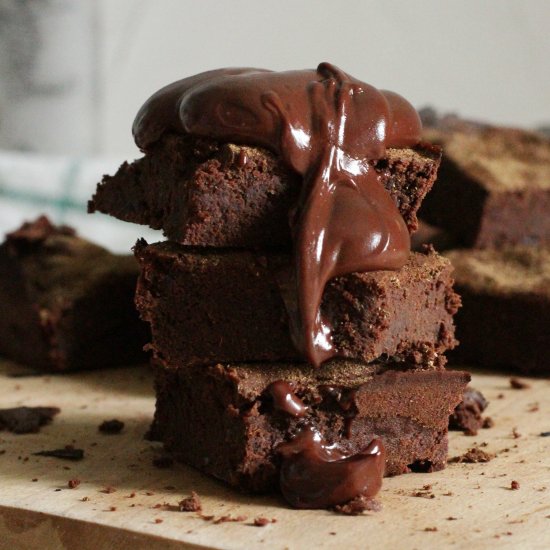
<point>357,506</point>
<point>514,486</point>
<point>108,490</point>
<point>111,427</point>
<point>73,483</point>
<point>473,456</point>
<point>518,384</point>
<point>191,503</point>
<point>488,422</point>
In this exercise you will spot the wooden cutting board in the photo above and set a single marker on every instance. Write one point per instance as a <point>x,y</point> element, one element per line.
<point>472,505</point>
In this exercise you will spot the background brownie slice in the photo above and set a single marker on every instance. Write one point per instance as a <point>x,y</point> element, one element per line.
<point>221,420</point>
<point>493,186</point>
<point>207,305</point>
<point>505,318</point>
<point>208,194</point>
<point>67,303</point>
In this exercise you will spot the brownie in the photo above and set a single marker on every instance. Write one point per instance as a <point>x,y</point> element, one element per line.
<point>66,302</point>
<point>204,193</point>
<point>467,414</point>
<point>493,187</point>
<point>221,420</point>
<point>208,305</point>
<point>505,318</point>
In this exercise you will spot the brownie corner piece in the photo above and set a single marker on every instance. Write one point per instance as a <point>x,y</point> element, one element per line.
<point>66,302</point>
<point>221,419</point>
<point>493,187</point>
<point>204,193</point>
<point>506,307</point>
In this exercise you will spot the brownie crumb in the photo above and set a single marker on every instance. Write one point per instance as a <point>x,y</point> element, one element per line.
<point>228,518</point>
<point>518,384</point>
<point>24,420</point>
<point>451,518</point>
<point>67,453</point>
<point>545,434</point>
<point>158,520</point>
<point>111,427</point>
<point>108,490</point>
<point>357,506</point>
<point>488,423</point>
<point>191,504</point>
<point>73,483</point>
<point>466,416</point>
<point>473,456</point>
<point>131,495</point>
<point>261,521</point>
<point>85,499</point>
<point>515,433</point>
<point>430,529</point>
<point>514,486</point>
<point>163,462</point>
<point>112,509</point>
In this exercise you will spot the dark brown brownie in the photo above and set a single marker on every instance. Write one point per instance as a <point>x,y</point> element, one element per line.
<point>67,303</point>
<point>467,414</point>
<point>493,186</point>
<point>221,420</point>
<point>505,318</point>
<point>207,194</point>
<point>209,305</point>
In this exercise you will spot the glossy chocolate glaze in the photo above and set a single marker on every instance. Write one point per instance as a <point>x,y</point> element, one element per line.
<point>317,475</point>
<point>284,398</point>
<point>328,127</point>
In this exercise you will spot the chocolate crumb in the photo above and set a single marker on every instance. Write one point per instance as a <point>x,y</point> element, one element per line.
<point>191,504</point>
<point>452,518</point>
<point>545,434</point>
<point>229,518</point>
<point>163,462</point>
<point>533,407</point>
<point>158,520</point>
<point>111,427</point>
<point>108,490</point>
<point>24,420</point>
<point>430,529</point>
<point>514,486</point>
<point>34,479</point>
<point>261,521</point>
<point>473,456</point>
<point>85,499</point>
<point>67,453</point>
<point>500,396</point>
<point>515,433</point>
<point>488,422</point>
<point>131,495</point>
<point>73,483</point>
<point>112,509</point>
<point>518,384</point>
<point>357,506</point>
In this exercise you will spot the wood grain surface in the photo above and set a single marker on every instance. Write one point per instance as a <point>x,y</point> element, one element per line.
<point>121,499</point>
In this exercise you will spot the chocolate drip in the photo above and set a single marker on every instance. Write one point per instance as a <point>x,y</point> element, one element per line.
<point>328,127</point>
<point>317,475</point>
<point>284,398</point>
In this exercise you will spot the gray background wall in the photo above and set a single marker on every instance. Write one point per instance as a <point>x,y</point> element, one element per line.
<point>95,61</point>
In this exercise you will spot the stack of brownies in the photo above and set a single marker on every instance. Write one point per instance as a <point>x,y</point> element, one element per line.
<point>498,180</point>
<point>236,398</point>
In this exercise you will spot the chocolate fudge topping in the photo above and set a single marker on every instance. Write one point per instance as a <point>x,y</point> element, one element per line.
<point>284,398</point>
<point>317,475</point>
<point>326,126</point>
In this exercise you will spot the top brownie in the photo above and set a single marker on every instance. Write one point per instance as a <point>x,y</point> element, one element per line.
<point>498,181</point>
<point>204,193</point>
